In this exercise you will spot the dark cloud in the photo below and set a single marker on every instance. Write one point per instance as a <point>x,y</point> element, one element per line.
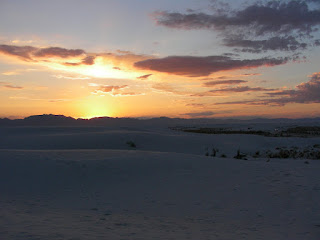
<point>224,82</point>
<point>251,74</point>
<point>307,92</point>
<point>89,60</point>
<point>245,102</point>
<point>199,114</point>
<point>28,53</point>
<point>242,89</point>
<point>71,63</point>
<point>288,43</point>
<point>23,52</point>
<point>58,52</point>
<point>255,26</point>
<point>203,66</point>
<point>143,77</point>
<point>270,17</point>
<point>317,42</point>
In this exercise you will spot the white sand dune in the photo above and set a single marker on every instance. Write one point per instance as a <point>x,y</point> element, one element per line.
<point>87,183</point>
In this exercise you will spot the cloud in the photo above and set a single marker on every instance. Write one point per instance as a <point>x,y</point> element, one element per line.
<point>71,77</point>
<point>251,74</point>
<point>107,88</point>
<point>23,52</point>
<point>12,87</point>
<point>224,82</point>
<point>58,52</point>
<point>29,53</point>
<point>10,73</point>
<point>143,77</point>
<point>124,52</point>
<point>164,87</point>
<point>40,99</point>
<point>7,85</point>
<point>272,16</point>
<point>198,105</point>
<point>89,60</point>
<point>106,64</point>
<point>33,54</point>
<point>171,89</point>
<point>203,66</point>
<point>307,92</point>
<point>244,102</point>
<point>288,43</point>
<point>115,91</point>
<point>242,89</point>
<point>254,27</point>
<point>199,114</point>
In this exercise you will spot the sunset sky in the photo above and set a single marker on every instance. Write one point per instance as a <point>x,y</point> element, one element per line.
<point>151,58</point>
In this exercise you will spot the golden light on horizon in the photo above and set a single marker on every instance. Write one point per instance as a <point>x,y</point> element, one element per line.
<point>95,107</point>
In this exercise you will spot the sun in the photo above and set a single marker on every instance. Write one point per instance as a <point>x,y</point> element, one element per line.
<point>95,107</point>
<point>94,112</point>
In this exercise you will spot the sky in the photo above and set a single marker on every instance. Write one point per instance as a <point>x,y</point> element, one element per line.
<point>151,58</point>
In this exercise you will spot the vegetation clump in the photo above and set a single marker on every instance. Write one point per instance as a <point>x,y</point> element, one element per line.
<point>131,144</point>
<point>290,152</point>
<point>240,155</point>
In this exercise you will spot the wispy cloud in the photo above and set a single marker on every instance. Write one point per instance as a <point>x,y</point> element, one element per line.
<point>71,77</point>
<point>170,89</point>
<point>10,73</point>
<point>143,77</point>
<point>113,90</point>
<point>223,82</point>
<point>199,114</point>
<point>10,86</point>
<point>51,100</point>
<point>242,89</point>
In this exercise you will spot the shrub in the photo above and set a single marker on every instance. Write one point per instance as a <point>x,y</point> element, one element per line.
<point>131,144</point>
<point>257,154</point>
<point>240,156</point>
<point>214,152</point>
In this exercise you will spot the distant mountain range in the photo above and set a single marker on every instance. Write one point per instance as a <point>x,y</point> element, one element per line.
<point>61,120</point>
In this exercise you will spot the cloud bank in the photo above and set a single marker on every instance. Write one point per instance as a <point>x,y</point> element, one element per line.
<point>258,27</point>
<point>307,92</point>
<point>203,66</point>
<point>33,54</point>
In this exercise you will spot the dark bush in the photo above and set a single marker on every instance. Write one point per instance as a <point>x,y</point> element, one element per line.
<point>131,144</point>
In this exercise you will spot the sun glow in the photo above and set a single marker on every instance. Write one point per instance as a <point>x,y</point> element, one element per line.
<point>101,68</point>
<point>95,107</point>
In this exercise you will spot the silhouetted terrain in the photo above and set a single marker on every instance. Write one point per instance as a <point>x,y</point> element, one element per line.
<point>61,120</point>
